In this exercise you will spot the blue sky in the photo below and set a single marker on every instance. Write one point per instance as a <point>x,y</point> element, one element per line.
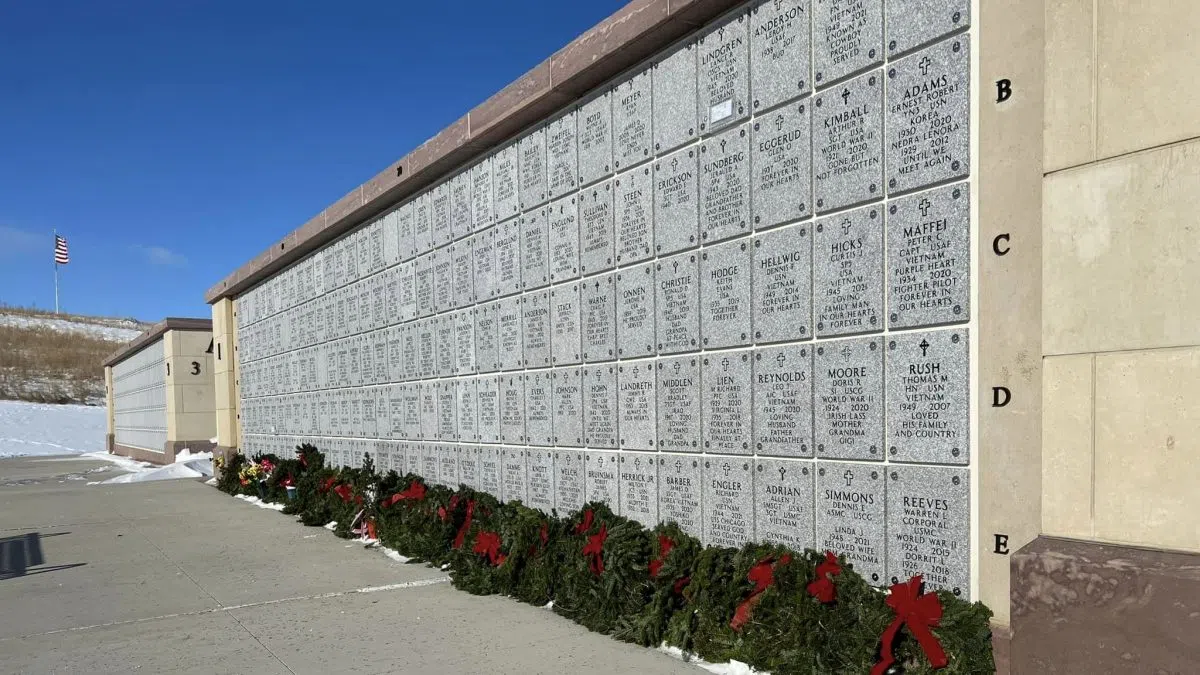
<point>172,141</point>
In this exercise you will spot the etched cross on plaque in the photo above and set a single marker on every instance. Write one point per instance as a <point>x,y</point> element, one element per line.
<point>849,476</point>
<point>924,347</point>
<point>924,206</point>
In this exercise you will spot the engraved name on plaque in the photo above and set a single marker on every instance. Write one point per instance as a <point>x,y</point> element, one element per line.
<point>569,467</point>
<point>723,75</point>
<point>783,402</point>
<point>851,516</point>
<point>563,224</point>
<point>725,185</point>
<point>679,404</point>
<point>779,52</point>
<point>596,235</point>
<point>599,317</point>
<point>639,487</point>
<point>728,501</point>
<point>929,258</point>
<point>780,157</point>
<point>677,285</point>
<point>636,405</point>
<point>568,406</point>
<point>848,399</point>
<point>602,481</point>
<point>782,284</point>
<point>565,324</point>
<point>928,408</point>
<point>635,311</point>
<point>783,502</point>
<point>631,109</point>
<point>727,402</point>
<point>929,527</point>
<point>848,143</point>
<point>848,272</point>
<point>633,195</point>
<point>725,317</point>
<point>600,406</point>
<point>676,201</point>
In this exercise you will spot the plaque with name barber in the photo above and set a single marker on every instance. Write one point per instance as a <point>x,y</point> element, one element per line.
<point>633,194</point>
<point>848,272</point>
<point>929,258</point>
<point>599,318</point>
<point>912,23</point>
<point>532,163</point>
<point>461,207</point>
<point>928,406</point>
<point>674,85</point>
<point>505,179</point>
<point>490,471</point>
<point>594,122</point>
<point>635,311</point>
<point>539,407</point>
<point>463,253</point>
<point>632,111</point>
<point>725,312</point>
<point>783,401</point>
<point>565,324</point>
<point>723,74</point>
<point>782,284</point>
<point>535,317</point>
<point>568,406</point>
<point>639,487</point>
<point>847,38</point>
<point>847,143</point>
<point>563,223</point>
<point>596,235</point>
<point>468,409</point>
<point>848,399</point>
<point>781,159</point>
<point>636,402</point>
<point>679,492</point>
<point>602,479</point>
<point>489,408</point>
<point>779,52</point>
<point>600,406</point>
<point>540,465</point>
<point>482,201</point>
<point>677,286</point>
<point>514,475</point>
<point>487,357</point>
<point>679,404</point>
<point>783,502</point>
<point>483,249</point>
<point>676,201</point>
<point>728,501</point>
<point>512,408</point>
<point>508,257</point>
<point>929,527</point>
<point>725,185</point>
<point>727,402</point>
<point>562,156</point>
<point>851,516</point>
<point>569,467</point>
<point>510,333</point>
<point>535,261</point>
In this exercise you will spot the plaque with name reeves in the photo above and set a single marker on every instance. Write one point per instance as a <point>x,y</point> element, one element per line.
<point>928,409</point>
<point>848,143</point>
<point>929,526</point>
<point>848,399</point>
<point>851,518</point>
<point>728,501</point>
<point>929,258</point>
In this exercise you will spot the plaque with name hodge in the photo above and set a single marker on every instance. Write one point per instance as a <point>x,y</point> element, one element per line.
<point>539,411</point>
<point>532,165</point>
<point>783,502</point>
<point>563,223</point>
<point>505,181</point>
<point>928,406</point>
<point>600,406</point>
<point>512,408</point>
<point>728,501</point>
<point>848,399</point>
<point>562,156</point>
<point>482,200</point>
<point>781,284</point>
<point>679,488</point>
<point>677,286</point>
<point>679,404</point>
<point>639,487</point>
<point>490,472</point>
<point>851,516</point>
<point>514,475</point>
<point>725,185</point>
<point>535,258</point>
<point>569,467</point>
<point>848,143</point>
<point>675,120</point>
<point>847,38</point>
<point>912,23</point>
<point>594,128</point>
<point>781,161</point>
<point>489,408</point>
<point>599,316</point>
<point>633,194</point>
<point>636,417</point>
<point>631,110</point>
<point>635,311</point>
<point>723,74</point>
<point>565,324</point>
<point>510,332</point>
<point>783,401</point>
<point>540,466</point>
<point>727,402</point>
<point>602,482</point>
<point>780,57</point>
<point>725,314</point>
<point>486,338</point>
<point>929,527</point>
<point>508,257</point>
<point>676,201</point>
<point>596,235</point>
<point>929,258</point>
<point>568,406</point>
<point>848,272</point>
<point>535,312</point>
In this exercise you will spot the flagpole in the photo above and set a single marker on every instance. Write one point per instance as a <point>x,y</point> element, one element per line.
<point>56,270</point>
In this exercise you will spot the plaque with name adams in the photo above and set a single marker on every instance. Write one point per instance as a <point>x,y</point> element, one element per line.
<point>468,466</point>
<point>847,38</point>
<point>636,405</point>
<point>728,501</point>
<point>929,527</point>
<point>601,479</point>
<point>632,111</point>
<point>510,333</point>
<point>781,161</point>
<point>539,408</point>
<point>848,399</point>
<point>463,259</point>
<point>725,185</point>
<point>633,198</point>
<point>782,284</point>
<point>514,475</point>
<point>639,487</point>
<point>505,179</point>
<point>599,316</point>
<point>482,201</point>
<point>677,285</point>
<point>600,406</point>
<point>594,122</point>
<point>461,206</point>
<point>422,224</point>
<point>468,409</point>
<point>564,322</point>
<point>723,74</point>
<point>423,282</point>
<point>635,311</point>
<point>563,223</point>
<point>489,408</point>
<point>679,404</point>
<point>512,408</point>
<point>464,341</point>
<point>532,164</point>
<point>483,249</point>
<point>928,406</point>
<point>448,466</point>
<point>679,492</point>
<point>596,235</point>
<point>726,403</point>
<point>847,143</point>
<point>783,401</point>
<point>447,402</point>
<point>535,317</point>
<point>490,472</point>
<point>676,202</point>
<point>540,465</point>
<point>487,357</point>
<point>429,410</point>
<point>851,516</point>
<point>848,272</point>
<point>569,467</point>
<point>912,23</point>
<point>568,406</point>
<point>929,258</point>
<point>779,52</point>
<point>674,85</point>
<point>562,161</point>
<point>783,502</point>
<point>440,211</point>
<point>508,257</point>
<point>535,260</point>
<point>725,313</point>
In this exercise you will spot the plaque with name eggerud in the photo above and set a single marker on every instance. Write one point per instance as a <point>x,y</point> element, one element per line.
<point>781,163</point>
<point>780,56</point>
<point>928,406</point>
<point>783,502</point>
<point>728,501</point>
<point>848,272</point>
<point>848,399</point>
<point>848,143</point>
<point>639,487</point>
<point>929,527</point>
<point>723,74</point>
<point>851,516</point>
<point>929,258</point>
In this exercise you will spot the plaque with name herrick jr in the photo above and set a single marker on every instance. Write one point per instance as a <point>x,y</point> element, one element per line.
<point>929,527</point>
<point>725,185</point>
<point>639,487</point>
<point>928,407</point>
<point>728,501</point>
<point>679,492</point>
<point>929,116</point>
<point>636,405</point>
<point>781,161</point>
<point>851,516</point>
<point>677,285</point>
<point>676,205</point>
<point>848,399</point>
<point>783,401</point>
<point>679,404</point>
<point>725,316</point>
<point>848,143</point>
<point>782,284</point>
<point>929,258</point>
<point>848,272</point>
<point>783,502</point>
<point>727,402</point>
<point>600,406</point>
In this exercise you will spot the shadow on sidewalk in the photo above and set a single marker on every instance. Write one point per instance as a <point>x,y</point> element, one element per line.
<point>20,552</point>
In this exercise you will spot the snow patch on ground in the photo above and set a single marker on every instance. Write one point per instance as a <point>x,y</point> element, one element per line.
<point>731,668</point>
<point>187,465</point>
<point>123,332</point>
<point>260,503</point>
<point>38,429</point>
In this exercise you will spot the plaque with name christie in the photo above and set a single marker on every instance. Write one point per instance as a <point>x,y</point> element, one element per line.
<point>677,286</point>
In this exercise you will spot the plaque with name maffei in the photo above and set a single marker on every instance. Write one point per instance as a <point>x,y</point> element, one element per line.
<point>728,501</point>
<point>514,475</point>
<point>636,402</point>
<point>569,467</point>
<point>680,480</point>
<point>404,294</point>
<point>468,409</point>
<point>487,357</point>
<point>635,311</point>
<point>929,258</point>
<point>674,76</point>
<point>639,487</point>
<point>600,406</point>
<point>505,179</point>
<point>677,286</point>
<point>562,156</point>
<point>563,223</point>
<point>440,210</point>
<point>632,112</point>
<point>928,406</point>
<point>602,479</point>
<point>633,194</point>
<point>422,224</point>
<point>723,74</point>
<point>535,318</point>
<point>679,404</point>
<point>461,207</point>
<point>447,348</point>
<point>464,341</point>
<point>483,250</point>
<point>535,259</point>
<point>783,502</point>
<point>725,312</point>
<point>468,466</point>
<point>725,185</point>
<point>447,402</point>
<point>779,52</point>
<point>851,516</point>
<point>599,318</point>
<point>727,402</point>
<point>929,527</point>
<point>782,284</point>
<point>567,406</point>
<point>595,132</point>
<point>539,408</point>
<point>512,409</point>
<point>482,201</point>
<point>913,23</point>
<point>596,235</point>
<point>431,460</point>
<point>510,333</point>
<point>928,122</point>
<point>847,38</point>
<point>565,324</point>
<point>448,466</point>
<point>781,161</point>
<point>848,399</point>
<point>540,466</point>
<point>490,471</point>
<point>508,257</point>
<point>783,402</point>
<point>676,202</point>
<point>847,143</point>
<point>463,257</point>
<point>428,401</point>
<point>427,346</point>
<point>423,282</point>
<point>489,408</point>
<point>848,272</point>
<point>532,163</point>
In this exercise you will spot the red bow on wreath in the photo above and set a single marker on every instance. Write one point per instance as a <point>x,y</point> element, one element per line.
<point>823,589</point>
<point>664,547</point>
<point>343,491</point>
<point>762,575</point>
<point>919,612</point>
<point>327,484</point>
<point>595,550</point>
<point>287,482</point>
<point>585,524</point>
<point>488,544</point>
<point>415,492</point>
<point>462,531</point>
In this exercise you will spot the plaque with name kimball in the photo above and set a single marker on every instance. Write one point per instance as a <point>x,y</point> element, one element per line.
<point>569,467</point>
<point>847,37</point>
<point>600,406</point>
<point>631,110</point>
<point>725,317</point>
<point>676,201</point>
<point>535,261</point>
<point>727,403</point>
<point>848,143</point>
<point>781,161</point>
<point>851,516</point>
<point>636,405</point>
<point>563,224</point>
<point>423,281</point>
<point>535,312</point>
<point>782,284</point>
<point>725,185</point>
<point>567,405</point>
<point>639,487</point>
<point>728,501</point>
<point>679,492</point>
<point>929,258</point>
<point>635,311</point>
<point>633,195</point>
<point>602,479</point>
<point>677,286</point>
<point>596,235</point>
<point>514,475</point>
<point>675,120</point>
<point>489,408</point>
<point>539,408</point>
<point>564,322</point>
<point>440,210</point>
<point>783,502</point>
<point>562,150</point>
<point>679,404</point>
<point>490,471</point>
<point>540,465</point>
<point>461,207</point>
<point>448,466</point>
<point>723,74</point>
<point>779,51</point>
<point>594,122</point>
<point>848,399</point>
<point>510,333</point>
<point>512,408</point>
<point>483,201</point>
<point>484,251</point>
<point>505,179</point>
<point>447,402</point>
<point>912,23</point>
<point>508,257</point>
<point>929,527</point>
<point>848,272</point>
<point>599,318</point>
<point>783,401</point>
<point>928,406</point>
<point>929,116</point>
<point>468,409</point>
<point>486,338</point>
<point>463,254</point>
<point>469,461</point>
<point>464,341</point>
<point>532,163</point>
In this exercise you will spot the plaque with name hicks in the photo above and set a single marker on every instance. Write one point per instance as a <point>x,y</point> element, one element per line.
<point>468,409</point>
<point>428,400</point>
<point>929,258</point>
<point>422,224</point>
<point>677,285</point>
<point>851,516</point>
<point>490,471</point>
<point>679,404</point>
<point>464,341</point>
<point>782,284</point>
<point>461,206</point>
<point>532,163</point>
<point>781,161</point>
<point>635,311</point>
<point>636,400</point>
<point>535,317</point>
<point>632,111</point>
<point>509,333</point>
<point>540,465</point>
<point>482,200</point>
<point>674,86</point>
<point>440,210</point>
<point>423,281</point>
<point>596,235</point>
<point>567,406</point>
<point>912,23</point>
<point>847,143</point>
<point>505,179</point>
<point>599,318</point>
<point>512,409</point>
<point>562,162</point>
<point>431,461</point>
<point>564,322</point>
<point>469,466</point>
<point>847,38</point>
<point>535,261</point>
<point>783,502</point>
<point>848,272</point>
<point>539,408</point>
<point>514,475</point>
<point>447,402</point>
<point>563,223</point>
<point>569,467</point>
<point>602,481</point>
<point>723,75</point>
<point>446,346</point>
<point>463,256</point>
<point>725,313</point>
<point>600,406</point>
<point>448,466</point>
<point>489,408</point>
<point>639,487</point>
<point>594,121</point>
<point>929,527</point>
<point>483,248</point>
<point>929,116</point>
<point>508,257</point>
<point>783,402</point>
<point>848,399</point>
<point>725,185</point>
<point>633,194</point>
<point>676,202</point>
<point>928,406</point>
<point>427,347</point>
<point>728,501</point>
<point>487,357</point>
<point>679,492</point>
<point>727,402</point>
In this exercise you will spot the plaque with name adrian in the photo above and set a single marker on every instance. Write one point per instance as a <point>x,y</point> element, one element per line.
<point>677,286</point>
<point>635,311</point>
<point>596,236</point>
<point>468,409</point>
<point>636,405</point>
<point>512,408</point>
<point>779,52</point>
<point>848,143</point>
<point>463,253</point>
<point>848,399</point>
<point>540,465</point>
<point>505,179</point>
<point>508,257</point>
<point>563,223</point>
<point>594,122</point>
<point>847,38</point>
<point>510,333</point>
<point>727,402</point>
<point>782,284</point>
<point>464,341</point>
<point>569,467</point>
<point>602,482</point>
<point>929,527</point>
<point>783,401</point>
<point>676,201</point>
<point>851,516</point>
<point>848,272</point>
<point>783,502</point>
<point>631,110</point>
<point>679,404</point>
<point>675,120</point>
<point>489,408</point>
<point>912,23</point>
<point>482,200</point>
<point>535,313</point>
<point>723,74</point>
<point>487,358</point>
<point>539,408</point>
<point>514,475</point>
<point>468,466</point>
<point>483,249</point>
<point>633,195</point>
<point>679,492</point>
<point>928,406</point>
<point>639,487</point>
<point>781,161</point>
<point>725,316</point>
<point>929,258</point>
<point>725,185</point>
<point>461,206</point>
<point>490,471</point>
<point>532,163</point>
<point>535,260</point>
<point>567,405</point>
<point>599,317</point>
<point>600,406</point>
<point>562,150</point>
<point>564,322</point>
<point>728,501</point>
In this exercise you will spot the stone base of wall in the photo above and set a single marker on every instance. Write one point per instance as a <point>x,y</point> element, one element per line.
<point>1001,647</point>
<point>1085,607</point>
<point>110,441</point>
<point>170,450</point>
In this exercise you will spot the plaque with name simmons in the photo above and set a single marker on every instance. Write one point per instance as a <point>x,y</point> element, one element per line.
<point>928,407</point>
<point>676,201</point>
<point>848,399</point>
<point>594,120</point>
<point>848,272</point>
<point>568,406</point>
<point>490,471</point>
<point>679,490</point>
<point>562,156</point>
<point>639,487</point>
<point>912,23</point>
<point>600,406</point>
<point>633,195</point>
<point>848,143</point>
<point>851,516</point>
<point>535,312</point>
<point>781,162</point>
<point>679,404</point>
<point>596,234</point>
<point>512,409</point>
<point>783,401</point>
<point>725,317</point>
<point>514,475</point>
<point>489,408</point>
<point>602,483</point>
<point>599,312</point>
<point>782,284</point>
<point>564,322</point>
<point>635,311</point>
<point>929,527</point>
<point>674,91</point>
<point>563,223</point>
<point>779,52</point>
<point>569,466</point>
<point>631,110</point>
<point>725,185</point>
<point>723,75</point>
<point>929,258</point>
<point>847,37</point>
<point>728,501</point>
<point>535,261</point>
<point>783,502</point>
<point>540,465</point>
<point>532,164</point>
<point>636,405</point>
<point>727,403</point>
<point>539,412</point>
<point>678,288</point>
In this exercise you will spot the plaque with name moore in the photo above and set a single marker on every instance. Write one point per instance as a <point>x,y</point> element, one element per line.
<point>848,399</point>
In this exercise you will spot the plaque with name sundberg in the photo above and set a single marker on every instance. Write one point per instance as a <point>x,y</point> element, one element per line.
<point>508,257</point>
<point>440,210</point>
<point>929,258</point>
<point>723,75</point>
<point>535,260</point>
<point>483,249</point>
<point>567,404</point>
<point>636,402</point>
<point>463,253</point>
<point>928,406</point>
<point>422,224</point>
<point>929,527</point>
<point>540,465</point>
<point>490,471</point>
<point>594,120</point>
<point>600,406</point>
<point>674,86</point>
<point>569,467</point>
<point>679,492</point>
<point>635,311</point>
<point>423,282</point>
<point>461,207</point>
<point>725,312</point>
<point>782,284</point>
<point>428,400</point>
<point>781,159</point>
<point>510,333</point>
<point>514,475</point>
<point>539,408</point>
<point>599,318</point>
<point>564,322</point>
<point>469,460</point>
<point>447,348</point>
<point>533,168</point>
<point>563,223</point>
<point>848,399</point>
<point>632,112</point>
<point>535,317</point>
<point>783,502</point>
<point>448,466</point>
<point>676,202</point>
<point>602,479</point>
<point>848,272</point>
<point>633,195</point>
<point>912,23</point>
<point>929,116</point>
<point>505,179</point>
<point>639,487</point>
<point>447,402</point>
<point>727,402</point>
<point>779,52</point>
<point>404,294</point>
<point>677,286</point>
<point>512,408</point>
<point>427,347</point>
<point>728,501</point>
<point>848,143</point>
<point>431,461</point>
<point>847,38</point>
<point>487,357</point>
<point>596,235</point>
<point>679,404</point>
<point>851,516</point>
<point>783,401</point>
<point>482,200</point>
<point>562,161</point>
<point>464,341</point>
<point>468,409</point>
<point>725,185</point>
<point>489,408</point>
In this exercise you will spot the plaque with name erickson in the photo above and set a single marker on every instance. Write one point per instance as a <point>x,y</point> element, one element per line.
<point>490,471</point>
<point>469,461</point>
<point>781,158</point>
<point>928,405</point>
<point>564,322</point>
<point>463,256</point>
<point>429,420</point>
<point>562,156</point>
<point>539,407</point>
<point>505,179</point>
<point>631,110</point>
<point>674,86</point>
<point>847,38</point>
<point>633,195</point>
<point>728,501</point>
<point>569,467</point>
<point>440,210</point>
<point>540,465</point>
<point>780,56</point>
<point>600,406</point>
<point>489,408</point>
<point>913,23</point>
<point>484,252</point>
<point>510,333</point>
<point>535,260</point>
<point>639,487</point>
<point>427,347</point>
<point>447,347</point>
<point>782,284</point>
<point>727,403</point>
<point>594,122</point>
<point>448,466</point>
<point>568,406</point>
<point>723,74</point>
<point>929,258</point>
<point>422,224</point>
<point>851,516</point>
<point>929,116</point>
<point>487,357</point>
<point>404,295</point>
<point>677,286</point>
<point>848,272</point>
<point>783,401</point>
<point>461,207</point>
<point>725,185</point>
<point>532,163</point>
<point>514,474</point>
<point>725,313</point>
<point>423,281</point>
<point>676,202</point>
<point>602,479</point>
<point>508,257</point>
<point>636,405</point>
<point>431,461</point>
<point>599,318</point>
<point>447,402</point>
<point>596,234</point>
<point>635,311</point>
<point>848,399</point>
<point>482,200</point>
<point>783,502</point>
<point>680,483</point>
<point>679,404</point>
<point>512,409</point>
<point>847,143</point>
<point>464,341</point>
<point>468,409</point>
<point>929,527</point>
<point>563,223</point>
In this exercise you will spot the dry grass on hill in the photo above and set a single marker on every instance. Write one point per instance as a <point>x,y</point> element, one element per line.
<point>40,364</point>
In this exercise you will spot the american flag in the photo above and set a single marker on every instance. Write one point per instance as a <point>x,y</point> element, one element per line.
<point>60,251</point>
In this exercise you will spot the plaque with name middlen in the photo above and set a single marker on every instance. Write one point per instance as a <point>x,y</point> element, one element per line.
<point>569,467</point>
<point>781,161</point>
<point>725,185</point>
<point>848,399</point>
<point>727,403</point>
<point>779,51</point>
<point>635,311</point>
<point>929,527</point>
<point>633,195</point>
<point>783,401</point>
<point>563,223</point>
<point>568,406</point>
<point>602,482</point>
<point>728,501</point>
<point>636,405</point>
<point>639,487</point>
<point>848,143</point>
<point>848,272</point>
<point>847,38</point>
<point>596,228</point>
<point>679,492</point>
<point>725,317</point>
<point>782,284</point>
<point>928,408</point>
<point>783,502</point>
<point>679,404</point>
<point>929,258</point>
<point>851,516</point>
<point>678,290</point>
<point>723,75</point>
<point>599,317</point>
<point>600,406</point>
<point>676,209</point>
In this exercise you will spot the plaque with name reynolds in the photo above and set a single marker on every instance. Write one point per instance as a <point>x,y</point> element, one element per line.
<point>928,406</point>
<point>514,475</point>
<point>929,258</point>
<point>535,260</point>
<point>490,471</point>
<point>596,236</point>
<point>675,120</point>
<point>783,401</point>
<point>783,502</point>
<point>727,402</point>
<point>448,466</point>
<point>929,116</point>
<point>676,201</point>
<point>848,399</point>
<point>679,492</point>
<point>723,75</point>
<point>447,402</point>
<point>468,466</point>
<point>482,200</point>
<point>679,404</point>
<point>600,406</point>
<point>594,122</point>
<point>423,281</point>
<point>532,163</point>
<point>463,259</point>
<point>848,143</point>
<point>568,406</point>
<point>631,110</point>
<point>510,332</point>
<point>535,312</point>
<point>728,501</point>
<point>677,286</point>
<point>461,207</point>
<point>633,194</point>
<point>422,224</point>
<point>782,284</point>
<point>725,316</point>
<point>781,159</point>
<point>484,251</point>
<point>912,23</point>
<point>639,487</point>
<point>464,341</point>
<point>851,516</point>
<point>440,211</point>
<point>512,408</point>
<point>635,311</point>
<point>780,56</point>
<point>489,408</point>
<point>487,358</point>
<point>446,346</point>
<point>508,257</point>
<point>562,163</point>
<point>563,223</point>
<point>847,38</point>
<point>429,419</point>
<point>929,527</point>
<point>599,316</point>
<point>539,408</point>
<point>636,405</point>
<point>540,465</point>
<point>725,185</point>
<point>468,409</point>
<point>602,479</point>
<point>569,467</point>
<point>564,322</point>
<point>505,179</point>
<point>848,272</point>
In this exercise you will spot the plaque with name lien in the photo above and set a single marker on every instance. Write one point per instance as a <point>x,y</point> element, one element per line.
<point>725,312</point>
<point>783,502</point>
<point>567,406</point>
<point>929,258</point>
<point>636,401</point>
<point>677,286</point>
<point>602,479</point>
<point>780,56</point>
<point>848,272</point>
<point>514,475</point>
<point>510,333</point>
<point>596,234</point>
<point>728,501</point>
<point>679,404</point>
<point>680,480</point>
<point>483,249</point>
<point>489,408</point>
<point>505,182</point>
<point>599,319</point>
<point>633,194</point>
<point>490,472</point>
<point>532,163</point>
<point>913,23</point>
<point>847,38</point>
<point>676,202</point>
<point>593,120</point>
<point>851,516</point>
<point>725,185</point>
<point>508,257</point>
<point>847,143</point>
<point>562,156</point>
<point>539,463</point>
<point>464,341</point>
<point>639,487</point>
<point>928,405</point>
<point>512,409</point>
<point>632,112</point>
<point>461,207</point>
<point>539,408</point>
<point>487,358</point>
<point>635,311</point>
<point>727,402</point>
<point>600,406</point>
<point>535,318</point>
<point>563,224</point>
<point>535,260</point>
<point>482,200</point>
<point>565,324</point>
<point>929,527</point>
<point>848,399</point>
<point>782,284</point>
<point>463,257</point>
<point>569,467</point>
<point>723,74</point>
<point>468,409</point>
<point>783,401</point>
<point>675,121</point>
<point>780,156</point>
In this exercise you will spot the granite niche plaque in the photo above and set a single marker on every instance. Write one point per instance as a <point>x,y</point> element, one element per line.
<point>535,314</point>
<point>848,272</point>
<point>412,458</point>
<point>679,492</point>
<point>490,471</point>
<point>569,468</point>
<point>679,404</point>
<point>848,399</point>
<point>461,207</point>
<point>851,516</point>
<point>639,487</point>
<point>567,405</point>
<point>783,502</point>
<point>596,236</point>
<point>448,466</point>
<point>599,318</point>
<point>781,161</point>
<point>635,311</point>
<point>486,338</point>
<point>514,475</point>
<point>535,260</point>
<point>469,461</point>
<point>404,295</point>
<point>464,341</point>
<point>779,52</point>
<point>848,143</point>
<point>675,121</point>
<point>512,408</point>
<point>423,282</point>
<point>405,222</point>
<point>431,463</point>
<point>489,408</point>
<point>636,405</point>
<point>677,285</point>
<point>468,409</point>
<point>929,258</point>
<point>509,332</point>
<point>912,23</point>
<point>463,253</point>
<point>483,249</point>
<point>532,166</point>
<point>632,111</point>
<point>540,465</point>
<point>929,527</point>
<point>422,224</point>
<point>447,402</point>
<point>411,397</point>
<point>723,75</point>
<point>727,403</point>
<point>483,202</point>
<point>508,257</point>
<point>633,198</point>
<point>505,179</point>
<point>539,408</point>
<point>602,479</point>
<point>728,501</point>
<point>565,324</point>
<point>847,38</point>
<point>725,314</point>
<point>446,345</point>
<point>783,402</point>
<point>782,284</point>
<point>429,411</point>
<point>563,224</point>
<point>676,202</point>
<point>562,156</point>
<point>600,406</point>
<point>725,185</point>
<point>928,406</point>
<point>594,121</point>
<point>440,209</point>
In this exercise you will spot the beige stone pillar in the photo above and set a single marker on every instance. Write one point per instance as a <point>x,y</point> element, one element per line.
<point>225,375</point>
<point>189,391</point>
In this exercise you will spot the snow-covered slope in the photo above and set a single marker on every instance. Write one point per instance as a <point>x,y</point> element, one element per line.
<point>47,429</point>
<point>114,330</point>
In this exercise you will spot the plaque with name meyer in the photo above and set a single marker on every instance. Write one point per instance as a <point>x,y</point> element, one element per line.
<point>633,195</point>
<point>602,479</point>
<point>563,224</point>
<point>510,333</point>
<point>781,161</point>
<point>679,404</point>
<point>912,23</point>
<point>569,467</point>
<point>600,406</point>
<point>512,409</point>
<point>848,399</point>
<point>848,272</point>
<point>599,320</point>
<point>596,235</point>
<point>565,324</point>
<point>505,179</point>
<point>635,311</point>
<point>928,406</point>
<point>728,501</point>
<point>636,401</point>
<point>540,466</point>
<point>783,502</point>
<point>679,489</point>
<point>489,408</point>
<point>725,185</point>
<point>639,487</point>
<point>677,286</point>
<point>783,402</point>
<point>929,258</point>
<point>674,85</point>
<point>779,52</point>
<point>594,122</point>
<point>676,201</point>
<point>632,111</point>
<point>929,527</point>
<point>562,156</point>
<point>851,516</point>
<point>567,405</point>
<point>848,143</point>
<point>508,257</point>
<point>487,358</point>
<point>727,402</point>
<point>535,261</point>
<point>782,284</point>
<point>514,475</point>
<point>539,408</point>
<point>532,164</point>
<point>723,75</point>
<point>725,312</point>
<point>847,38</point>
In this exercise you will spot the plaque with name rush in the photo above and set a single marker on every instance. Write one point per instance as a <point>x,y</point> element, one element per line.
<point>535,260</point>
<point>677,286</point>
<point>448,466</point>
<point>463,256</point>
<point>674,85</point>
<point>928,406</point>
<point>483,250</point>
<point>508,257</point>
<point>562,156</point>
<point>635,311</point>
<point>847,143</point>
<point>490,471</point>
<point>422,224</point>
<point>913,23</point>
<point>779,52</point>
<point>781,159</point>
<point>468,409</point>
<point>469,460</point>
<point>851,516</point>
<point>783,502</point>
<point>728,501</point>
<point>540,465</point>
<point>723,75</point>
<point>676,199</point>
<point>600,406</point>
<point>505,178</point>
<point>446,346</point>
<point>427,347</point>
<point>429,410</point>
<point>929,258</point>
<point>431,461</point>
<point>532,164</point>
<point>483,212</point>
<point>594,121</point>
<point>602,479</point>
<point>725,314</point>
<point>848,272</point>
<point>596,235</point>
<point>512,409</point>
<point>679,492</point>
<point>569,467</point>
<point>599,318</point>
<point>488,395</point>
<point>461,207</point>
<point>404,294</point>
<point>509,329</point>
<point>423,282</point>
<point>847,38</point>
<point>632,111</point>
<point>928,116</point>
<point>782,284</point>
<point>727,402</point>
<point>929,527</point>
<point>535,318</point>
<point>440,211</point>
<point>464,341</point>
<point>563,224</point>
<point>564,322</point>
<point>567,406</point>
<point>783,401</point>
<point>679,404</point>
<point>639,487</point>
<point>405,220</point>
<point>514,475</point>
<point>848,399</point>
<point>633,195</point>
<point>725,185</point>
<point>411,397</point>
<point>636,405</point>
<point>539,408</point>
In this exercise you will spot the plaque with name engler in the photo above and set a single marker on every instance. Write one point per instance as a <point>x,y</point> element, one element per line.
<point>535,260</point>
<point>594,122</point>
<point>599,319</point>
<point>423,282</point>
<point>483,250</point>
<point>677,286</point>
<point>508,257</point>
<point>540,466</point>
<point>636,402</point>
<point>514,475</point>
<point>567,406</point>
<point>512,409</point>
<point>633,194</point>
<point>727,402</point>
<point>779,52</point>
<point>490,471</point>
<point>639,487</point>
<point>725,312</point>
<point>929,527</point>
<point>676,202</point>
<point>487,358</point>
<point>596,234</point>
<point>679,404</point>
<point>851,516</point>
<point>679,492</point>
<point>532,163</point>
<point>782,284</point>
<point>848,143</point>
<point>569,467</point>
<point>728,501</point>
<point>510,333</point>
<point>632,111</point>
<point>562,156</point>
<point>600,406</point>
<point>602,479</point>
<point>929,116</point>
<point>468,409</point>
<point>464,341</point>
<point>848,272</point>
<point>912,23</point>
<point>447,402</point>
<point>783,502</point>
<point>563,224</point>
<point>781,158</point>
<point>463,255</point>
<point>674,85</point>
<point>783,401</point>
<point>482,200</point>
<point>535,317</point>
<point>539,408</point>
<point>468,466</point>
<point>565,324</point>
<point>461,207</point>
<point>848,399</point>
<point>929,258</point>
<point>635,311</point>
<point>505,181</point>
<point>847,38</point>
<point>725,185</point>
<point>928,406</point>
<point>723,74</point>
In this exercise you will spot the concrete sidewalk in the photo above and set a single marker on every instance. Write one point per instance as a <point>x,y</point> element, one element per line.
<point>175,576</point>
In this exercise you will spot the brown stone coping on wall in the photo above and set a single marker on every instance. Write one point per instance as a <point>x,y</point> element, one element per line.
<point>630,35</point>
<point>156,331</point>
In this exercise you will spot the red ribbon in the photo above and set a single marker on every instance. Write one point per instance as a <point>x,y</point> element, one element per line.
<point>462,531</point>
<point>680,585</point>
<point>664,547</point>
<point>823,589</point>
<point>762,575</point>
<point>287,482</point>
<point>327,484</point>
<point>488,544</point>
<point>586,523</point>
<point>919,612</point>
<point>595,550</point>
<point>442,514</point>
<point>415,492</point>
<point>303,459</point>
<point>544,535</point>
<point>343,491</point>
